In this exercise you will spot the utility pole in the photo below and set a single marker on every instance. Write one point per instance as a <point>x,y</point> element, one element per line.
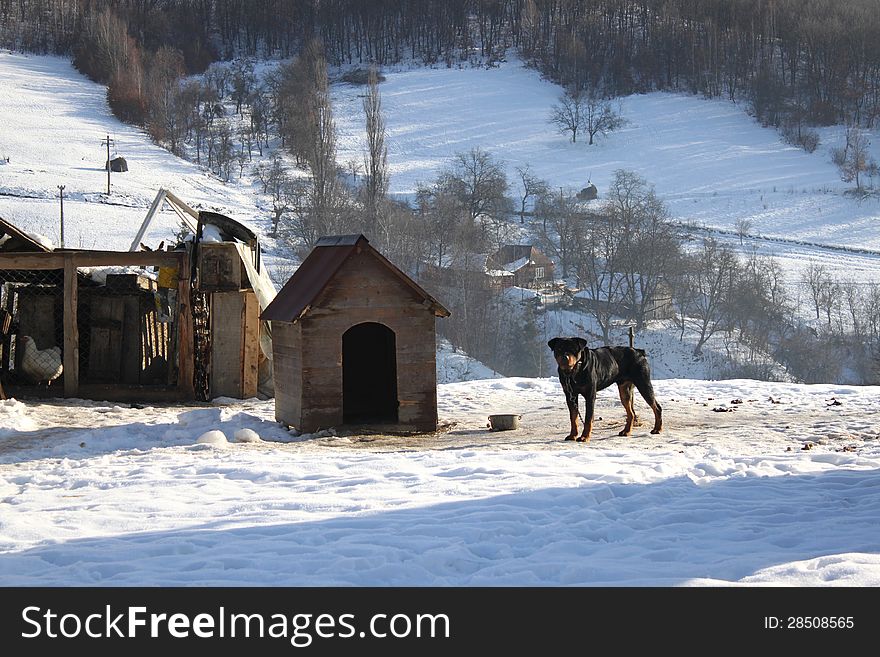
<point>61,193</point>
<point>108,141</point>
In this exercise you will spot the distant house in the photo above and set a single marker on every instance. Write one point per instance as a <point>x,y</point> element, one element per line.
<point>658,306</point>
<point>469,269</point>
<point>528,266</point>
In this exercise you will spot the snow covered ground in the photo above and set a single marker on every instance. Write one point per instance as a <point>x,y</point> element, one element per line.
<point>780,489</point>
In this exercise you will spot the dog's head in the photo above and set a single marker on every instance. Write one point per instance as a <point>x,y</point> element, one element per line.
<point>567,351</point>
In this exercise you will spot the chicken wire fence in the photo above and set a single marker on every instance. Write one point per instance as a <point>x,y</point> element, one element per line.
<point>126,324</point>
<point>32,346</point>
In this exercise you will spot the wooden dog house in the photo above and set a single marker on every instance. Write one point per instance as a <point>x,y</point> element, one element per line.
<point>353,341</point>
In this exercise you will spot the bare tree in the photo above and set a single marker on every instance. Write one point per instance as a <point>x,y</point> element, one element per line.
<point>322,147</point>
<point>761,309</point>
<point>447,228</point>
<point>217,79</point>
<point>818,281</point>
<point>578,110</point>
<point>628,252</point>
<point>560,236</point>
<point>853,160</point>
<point>704,301</point>
<point>653,259</point>
<point>567,114</point>
<point>600,116</point>
<point>297,96</point>
<point>469,198</point>
<point>743,228</point>
<point>163,84</point>
<point>243,82</point>
<point>532,187</point>
<point>376,157</point>
<point>479,182</point>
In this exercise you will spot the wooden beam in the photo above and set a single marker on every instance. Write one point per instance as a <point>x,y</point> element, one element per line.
<point>183,206</point>
<point>71,329</point>
<point>102,391</point>
<point>57,259</point>
<point>31,261</point>
<point>185,345</point>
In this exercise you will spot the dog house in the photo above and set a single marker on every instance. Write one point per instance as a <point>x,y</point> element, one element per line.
<point>353,341</point>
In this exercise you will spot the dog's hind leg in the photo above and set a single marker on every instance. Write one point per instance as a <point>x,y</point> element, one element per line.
<point>625,388</point>
<point>647,391</point>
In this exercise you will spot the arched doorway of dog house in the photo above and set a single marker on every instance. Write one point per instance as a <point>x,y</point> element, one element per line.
<point>369,374</point>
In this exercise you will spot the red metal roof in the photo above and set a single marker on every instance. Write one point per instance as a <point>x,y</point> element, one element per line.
<point>319,268</point>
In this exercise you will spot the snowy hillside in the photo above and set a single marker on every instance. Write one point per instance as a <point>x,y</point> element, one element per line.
<point>709,161</point>
<point>52,128</point>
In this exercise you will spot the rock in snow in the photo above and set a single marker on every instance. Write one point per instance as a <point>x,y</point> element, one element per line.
<point>213,437</point>
<point>247,436</point>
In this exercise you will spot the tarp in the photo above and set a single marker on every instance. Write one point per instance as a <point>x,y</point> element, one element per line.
<point>265,290</point>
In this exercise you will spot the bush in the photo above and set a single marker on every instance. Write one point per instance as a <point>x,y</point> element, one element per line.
<point>360,76</point>
<point>126,101</point>
<point>805,138</point>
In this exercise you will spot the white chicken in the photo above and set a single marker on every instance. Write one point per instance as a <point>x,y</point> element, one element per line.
<point>40,365</point>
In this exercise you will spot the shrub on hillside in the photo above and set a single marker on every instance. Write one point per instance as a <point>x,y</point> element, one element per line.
<point>360,76</point>
<point>126,100</point>
<point>802,137</point>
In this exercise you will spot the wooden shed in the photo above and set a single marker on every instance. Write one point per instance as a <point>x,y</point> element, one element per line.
<point>141,325</point>
<point>353,339</point>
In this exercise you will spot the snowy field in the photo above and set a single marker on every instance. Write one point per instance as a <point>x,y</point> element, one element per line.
<point>52,128</point>
<point>708,160</point>
<point>781,489</point>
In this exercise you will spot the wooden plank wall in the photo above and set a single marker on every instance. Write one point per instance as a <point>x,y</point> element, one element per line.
<point>36,317</point>
<point>235,344</point>
<point>287,370</point>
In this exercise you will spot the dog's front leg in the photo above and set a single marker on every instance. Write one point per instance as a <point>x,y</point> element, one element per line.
<point>590,397</point>
<point>572,401</point>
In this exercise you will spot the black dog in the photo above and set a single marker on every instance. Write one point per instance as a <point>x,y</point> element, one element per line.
<point>584,371</point>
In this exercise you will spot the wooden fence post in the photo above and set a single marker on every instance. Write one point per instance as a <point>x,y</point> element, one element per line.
<point>185,347</point>
<point>71,328</point>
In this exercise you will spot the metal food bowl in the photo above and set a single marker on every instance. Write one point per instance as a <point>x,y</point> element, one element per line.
<point>504,422</point>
